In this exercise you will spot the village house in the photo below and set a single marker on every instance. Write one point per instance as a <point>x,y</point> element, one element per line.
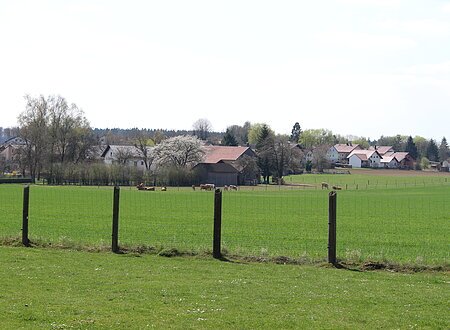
<point>389,162</point>
<point>383,150</point>
<point>8,151</point>
<point>364,158</point>
<point>339,152</point>
<point>224,165</point>
<point>125,155</point>
<point>405,161</point>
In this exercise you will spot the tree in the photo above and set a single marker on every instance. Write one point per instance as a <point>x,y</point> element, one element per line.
<point>362,142</point>
<point>285,157</point>
<point>202,128</point>
<point>295,133</point>
<point>240,133</point>
<point>320,159</point>
<point>421,144</point>
<point>33,129</point>
<point>444,152</point>
<point>265,150</point>
<point>432,151</point>
<point>69,131</point>
<point>179,152</point>
<point>229,139</point>
<point>312,138</point>
<point>397,142</point>
<point>54,132</point>
<point>411,147</point>
<point>143,142</point>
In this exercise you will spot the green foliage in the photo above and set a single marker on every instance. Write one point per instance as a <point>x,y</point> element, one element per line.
<point>432,151</point>
<point>444,152</point>
<point>295,133</point>
<point>411,148</point>
<point>363,142</point>
<point>424,163</point>
<point>311,138</point>
<point>397,142</point>
<point>229,139</point>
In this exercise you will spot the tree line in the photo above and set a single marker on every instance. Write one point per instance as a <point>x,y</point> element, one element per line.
<point>57,135</point>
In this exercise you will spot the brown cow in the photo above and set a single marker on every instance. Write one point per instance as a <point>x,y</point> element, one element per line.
<point>324,185</point>
<point>207,186</point>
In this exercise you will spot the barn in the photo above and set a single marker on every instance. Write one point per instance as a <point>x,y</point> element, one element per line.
<point>227,165</point>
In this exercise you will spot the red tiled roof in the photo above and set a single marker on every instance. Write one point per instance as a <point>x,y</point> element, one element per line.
<point>345,148</point>
<point>215,154</point>
<point>363,154</point>
<point>400,155</point>
<point>381,149</point>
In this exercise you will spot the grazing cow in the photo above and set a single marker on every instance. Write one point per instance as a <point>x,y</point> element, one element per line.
<point>207,186</point>
<point>324,185</point>
<point>233,187</point>
<point>142,187</point>
<point>193,187</point>
<point>225,187</point>
<point>337,188</point>
<point>163,188</point>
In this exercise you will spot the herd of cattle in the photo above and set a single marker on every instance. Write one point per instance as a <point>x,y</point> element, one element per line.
<point>205,186</point>
<point>211,186</point>
<point>325,186</point>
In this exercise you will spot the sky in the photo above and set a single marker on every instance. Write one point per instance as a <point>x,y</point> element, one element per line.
<point>356,67</point>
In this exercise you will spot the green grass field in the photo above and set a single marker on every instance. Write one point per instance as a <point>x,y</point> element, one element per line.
<point>405,224</point>
<point>62,289</point>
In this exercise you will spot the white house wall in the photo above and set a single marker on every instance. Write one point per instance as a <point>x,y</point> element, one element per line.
<point>354,161</point>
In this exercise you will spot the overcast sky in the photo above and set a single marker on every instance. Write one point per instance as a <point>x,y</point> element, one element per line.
<point>361,67</point>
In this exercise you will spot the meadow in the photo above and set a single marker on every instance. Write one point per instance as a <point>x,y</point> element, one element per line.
<point>63,289</point>
<point>405,223</point>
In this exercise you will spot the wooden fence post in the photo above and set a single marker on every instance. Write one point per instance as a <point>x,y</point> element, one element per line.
<point>26,204</point>
<point>332,227</point>
<point>115,221</point>
<point>217,224</point>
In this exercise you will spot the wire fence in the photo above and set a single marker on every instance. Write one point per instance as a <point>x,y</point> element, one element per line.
<point>396,225</point>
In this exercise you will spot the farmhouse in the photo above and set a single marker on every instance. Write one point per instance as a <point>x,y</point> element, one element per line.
<point>10,148</point>
<point>389,162</point>
<point>339,153</point>
<point>382,150</point>
<point>225,165</point>
<point>364,158</point>
<point>405,161</point>
<point>126,155</point>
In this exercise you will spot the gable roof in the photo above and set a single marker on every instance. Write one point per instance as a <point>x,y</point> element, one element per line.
<point>388,159</point>
<point>345,148</point>
<point>400,155</point>
<point>364,154</point>
<point>382,149</point>
<point>132,150</point>
<point>215,154</point>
